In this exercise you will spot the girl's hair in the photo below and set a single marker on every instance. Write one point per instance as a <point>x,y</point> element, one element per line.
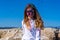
<point>36,17</point>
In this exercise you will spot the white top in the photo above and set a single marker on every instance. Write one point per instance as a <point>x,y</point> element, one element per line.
<point>32,34</point>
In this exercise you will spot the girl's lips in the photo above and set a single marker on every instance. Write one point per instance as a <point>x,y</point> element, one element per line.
<point>29,14</point>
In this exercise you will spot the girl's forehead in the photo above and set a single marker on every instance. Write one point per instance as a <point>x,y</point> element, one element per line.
<point>29,8</point>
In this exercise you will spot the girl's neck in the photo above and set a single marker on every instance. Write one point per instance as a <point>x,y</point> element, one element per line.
<point>30,18</point>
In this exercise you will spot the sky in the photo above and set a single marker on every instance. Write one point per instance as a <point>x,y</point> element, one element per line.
<point>12,12</point>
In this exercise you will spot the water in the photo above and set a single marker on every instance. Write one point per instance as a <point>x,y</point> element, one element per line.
<point>7,27</point>
<point>56,27</point>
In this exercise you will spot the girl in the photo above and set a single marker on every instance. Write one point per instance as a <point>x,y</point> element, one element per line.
<point>31,24</point>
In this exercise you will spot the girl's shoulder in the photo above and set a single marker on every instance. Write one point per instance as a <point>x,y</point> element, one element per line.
<point>22,21</point>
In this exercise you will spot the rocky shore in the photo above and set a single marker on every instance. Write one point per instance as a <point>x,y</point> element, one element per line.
<point>16,34</point>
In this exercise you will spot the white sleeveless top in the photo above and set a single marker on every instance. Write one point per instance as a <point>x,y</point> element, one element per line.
<point>32,34</point>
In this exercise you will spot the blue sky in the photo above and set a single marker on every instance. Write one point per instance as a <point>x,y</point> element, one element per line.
<point>12,12</point>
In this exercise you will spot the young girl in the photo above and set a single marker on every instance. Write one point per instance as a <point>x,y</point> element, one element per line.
<point>31,24</point>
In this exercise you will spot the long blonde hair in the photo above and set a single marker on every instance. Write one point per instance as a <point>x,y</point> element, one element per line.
<point>37,17</point>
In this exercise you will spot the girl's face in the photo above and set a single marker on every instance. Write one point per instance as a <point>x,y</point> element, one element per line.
<point>30,12</point>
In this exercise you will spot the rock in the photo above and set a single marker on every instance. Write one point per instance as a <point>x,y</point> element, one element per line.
<point>16,34</point>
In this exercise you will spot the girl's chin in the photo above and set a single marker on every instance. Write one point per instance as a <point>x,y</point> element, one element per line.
<point>30,16</point>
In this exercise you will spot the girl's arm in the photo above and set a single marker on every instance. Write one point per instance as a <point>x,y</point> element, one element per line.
<point>23,28</point>
<point>38,33</point>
